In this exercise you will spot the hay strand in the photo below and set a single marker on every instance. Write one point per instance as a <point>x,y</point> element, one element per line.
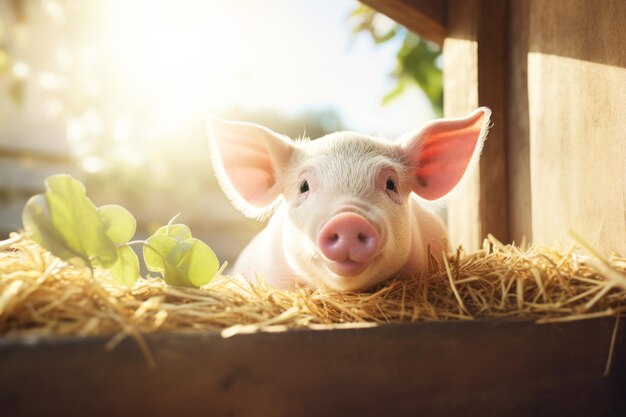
<point>609,361</point>
<point>41,295</point>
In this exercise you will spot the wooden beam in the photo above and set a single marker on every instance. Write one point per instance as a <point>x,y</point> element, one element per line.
<point>517,129</point>
<point>424,17</point>
<point>477,368</point>
<point>577,97</point>
<point>474,56</point>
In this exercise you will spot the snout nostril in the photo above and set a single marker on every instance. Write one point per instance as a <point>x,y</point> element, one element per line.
<point>348,237</point>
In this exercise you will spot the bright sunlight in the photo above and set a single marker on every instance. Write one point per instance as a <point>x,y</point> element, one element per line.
<point>121,89</point>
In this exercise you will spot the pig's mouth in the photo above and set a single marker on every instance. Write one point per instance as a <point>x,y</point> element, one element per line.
<point>347,268</point>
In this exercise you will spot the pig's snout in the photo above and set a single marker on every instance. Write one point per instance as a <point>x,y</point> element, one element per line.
<point>350,241</point>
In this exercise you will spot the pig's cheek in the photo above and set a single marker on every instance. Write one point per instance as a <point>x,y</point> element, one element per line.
<point>398,245</point>
<point>298,250</point>
<point>299,199</point>
<point>301,220</point>
<point>395,197</point>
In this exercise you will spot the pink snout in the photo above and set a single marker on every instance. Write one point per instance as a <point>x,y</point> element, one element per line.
<point>349,241</point>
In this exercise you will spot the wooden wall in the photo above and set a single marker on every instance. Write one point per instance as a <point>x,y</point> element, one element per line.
<point>517,134</point>
<point>474,54</point>
<point>577,124</point>
<point>554,74</point>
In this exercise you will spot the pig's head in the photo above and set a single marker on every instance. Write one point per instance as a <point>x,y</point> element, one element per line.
<point>348,222</point>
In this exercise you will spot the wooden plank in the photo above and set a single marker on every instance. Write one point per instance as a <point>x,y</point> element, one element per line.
<point>577,97</point>
<point>460,91</point>
<point>481,368</point>
<point>424,17</point>
<point>517,129</point>
<point>474,56</point>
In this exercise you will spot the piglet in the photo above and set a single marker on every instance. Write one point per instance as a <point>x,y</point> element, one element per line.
<point>346,207</point>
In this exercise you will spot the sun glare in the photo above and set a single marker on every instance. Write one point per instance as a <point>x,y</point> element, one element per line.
<point>122,88</point>
<point>167,62</point>
<point>171,59</point>
<point>131,73</point>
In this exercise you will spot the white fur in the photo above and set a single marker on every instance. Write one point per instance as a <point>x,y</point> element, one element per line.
<point>343,169</point>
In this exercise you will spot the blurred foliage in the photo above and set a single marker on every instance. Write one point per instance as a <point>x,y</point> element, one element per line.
<point>11,80</point>
<point>73,76</point>
<point>418,61</point>
<point>184,155</point>
<point>56,63</point>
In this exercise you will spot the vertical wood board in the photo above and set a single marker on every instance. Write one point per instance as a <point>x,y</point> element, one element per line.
<point>577,99</point>
<point>517,135</point>
<point>474,58</point>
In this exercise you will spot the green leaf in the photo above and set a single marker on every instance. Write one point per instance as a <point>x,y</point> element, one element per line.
<point>173,276</point>
<point>37,222</point>
<point>67,223</point>
<point>176,231</point>
<point>155,251</point>
<point>76,218</point>
<point>378,39</point>
<point>198,261</point>
<point>119,224</point>
<point>361,9</point>
<point>395,93</point>
<point>189,262</point>
<point>418,61</point>
<point>125,270</point>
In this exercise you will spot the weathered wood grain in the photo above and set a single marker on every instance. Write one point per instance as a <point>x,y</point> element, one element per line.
<point>517,129</point>
<point>577,99</point>
<point>474,55</point>
<point>483,368</point>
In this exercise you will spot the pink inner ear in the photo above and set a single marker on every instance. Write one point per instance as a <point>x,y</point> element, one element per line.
<point>442,151</point>
<point>250,172</point>
<point>250,156</point>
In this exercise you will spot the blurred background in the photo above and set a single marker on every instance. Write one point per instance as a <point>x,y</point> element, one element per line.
<point>116,93</point>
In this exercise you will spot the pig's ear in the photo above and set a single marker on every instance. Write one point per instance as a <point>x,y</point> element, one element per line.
<point>248,161</point>
<point>439,154</point>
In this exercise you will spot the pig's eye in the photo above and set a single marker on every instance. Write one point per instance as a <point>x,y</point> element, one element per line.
<point>390,185</point>
<point>304,187</point>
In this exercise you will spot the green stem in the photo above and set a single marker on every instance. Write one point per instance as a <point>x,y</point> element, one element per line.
<point>169,224</point>
<point>134,242</point>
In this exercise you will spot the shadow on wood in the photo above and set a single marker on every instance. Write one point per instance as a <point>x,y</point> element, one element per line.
<point>481,368</point>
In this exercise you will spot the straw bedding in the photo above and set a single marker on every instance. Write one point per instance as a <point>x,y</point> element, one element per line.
<point>40,295</point>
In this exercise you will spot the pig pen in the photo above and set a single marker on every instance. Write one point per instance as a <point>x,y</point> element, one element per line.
<point>501,331</point>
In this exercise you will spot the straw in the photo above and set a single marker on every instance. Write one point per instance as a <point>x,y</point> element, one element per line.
<point>41,295</point>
